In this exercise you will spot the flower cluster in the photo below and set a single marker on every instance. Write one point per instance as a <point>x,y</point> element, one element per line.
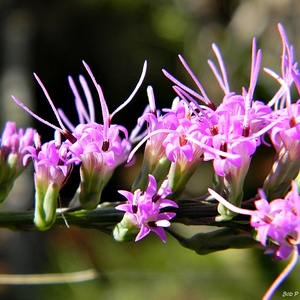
<point>277,222</point>
<point>191,132</point>
<point>143,212</point>
<point>231,131</point>
<point>228,134</point>
<point>98,148</point>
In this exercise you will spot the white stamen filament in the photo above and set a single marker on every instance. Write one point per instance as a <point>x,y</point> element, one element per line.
<point>88,97</point>
<point>57,138</point>
<point>22,105</point>
<point>104,108</point>
<point>51,103</point>
<point>151,99</point>
<point>230,206</point>
<point>286,271</point>
<point>223,82</point>
<point>81,111</point>
<point>134,91</point>
<point>37,140</point>
<point>198,84</point>
<point>285,88</point>
<point>190,91</point>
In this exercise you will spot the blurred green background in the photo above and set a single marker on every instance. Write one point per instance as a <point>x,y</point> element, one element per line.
<point>114,37</point>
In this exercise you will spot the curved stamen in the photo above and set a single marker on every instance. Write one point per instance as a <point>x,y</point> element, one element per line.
<point>198,84</point>
<point>286,271</point>
<point>190,91</point>
<point>283,90</point>
<point>88,97</point>
<point>66,120</point>
<point>27,109</point>
<point>81,111</point>
<point>133,92</point>
<point>50,102</point>
<point>151,99</point>
<point>230,206</point>
<point>223,82</point>
<point>104,108</point>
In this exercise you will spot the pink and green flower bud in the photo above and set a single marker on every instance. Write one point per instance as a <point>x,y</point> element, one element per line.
<point>231,183</point>
<point>284,169</point>
<point>179,175</point>
<point>13,142</point>
<point>93,178</point>
<point>127,229</point>
<point>45,204</point>
<point>99,156</point>
<point>286,140</point>
<point>155,162</point>
<point>52,168</point>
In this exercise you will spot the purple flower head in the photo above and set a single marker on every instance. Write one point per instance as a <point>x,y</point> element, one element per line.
<point>286,131</point>
<point>171,142</point>
<point>90,140</point>
<point>13,142</point>
<point>278,222</point>
<point>227,134</point>
<point>143,209</point>
<point>99,147</point>
<point>155,160</point>
<point>178,147</point>
<point>51,163</point>
<point>51,173</point>
<point>285,134</point>
<point>12,145</point>
<point>284,121</point>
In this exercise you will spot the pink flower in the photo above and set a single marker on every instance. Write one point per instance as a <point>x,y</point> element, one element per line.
<point>228,134</point>
<point>50,162</point>
<point>277,222</point>
<point>51,173</point>
<point>143,209</point>
<point>99,147</point>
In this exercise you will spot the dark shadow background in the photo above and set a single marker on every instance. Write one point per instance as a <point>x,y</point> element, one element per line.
<point>114,37</point>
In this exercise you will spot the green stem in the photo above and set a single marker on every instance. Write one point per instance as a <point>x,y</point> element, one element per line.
<point>105,216</point>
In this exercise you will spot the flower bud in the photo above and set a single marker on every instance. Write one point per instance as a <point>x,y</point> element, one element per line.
<point>45,204</point>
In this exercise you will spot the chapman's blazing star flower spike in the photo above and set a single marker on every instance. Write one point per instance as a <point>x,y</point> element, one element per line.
<point>13,143</point>
<point>276,222</point>
<point>142,212</point>
<point>52,169</point>
<point>179,139</point>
